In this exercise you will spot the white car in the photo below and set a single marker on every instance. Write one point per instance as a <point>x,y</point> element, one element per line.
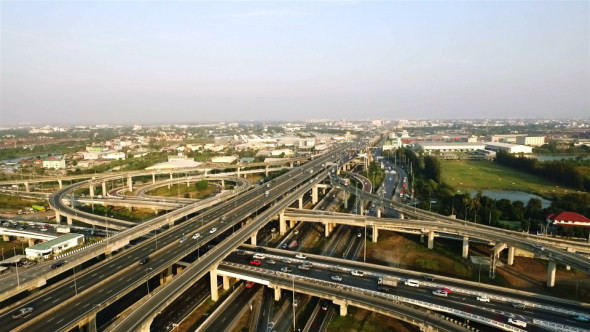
<point>538,246</point>
<point>296,232</point>
<point>357,273</point>
<point>483,298</point>
<point>43,229</point>
<point>182,239</point>
<point>213,230</point>
<point>359,234</point>
<point>336,278</point>
<point>196,236</point>
<point>301,256</point>
<point>440,293</point>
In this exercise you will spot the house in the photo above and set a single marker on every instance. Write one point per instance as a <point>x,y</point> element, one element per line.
<point>568,219</point>
<point>224,160</point>
<point>54,163</point>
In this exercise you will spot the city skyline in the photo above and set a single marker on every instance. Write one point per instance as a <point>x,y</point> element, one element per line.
<point>125,63</point>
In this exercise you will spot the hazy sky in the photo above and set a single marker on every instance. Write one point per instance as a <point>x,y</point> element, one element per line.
<point>150,62</point>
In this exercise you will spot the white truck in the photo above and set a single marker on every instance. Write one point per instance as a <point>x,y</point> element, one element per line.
<point>387,281</point>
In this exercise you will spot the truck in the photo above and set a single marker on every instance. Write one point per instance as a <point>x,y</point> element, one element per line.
<point>62,229</point>
<point>39,208</point>
<point>387,281</point>
<point>292,246</point>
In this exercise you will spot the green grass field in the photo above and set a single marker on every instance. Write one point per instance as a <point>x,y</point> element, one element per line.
<point>475,175</point>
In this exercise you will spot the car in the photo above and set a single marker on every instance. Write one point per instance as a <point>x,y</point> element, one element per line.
<point>22,312</point>
<point>483,298</point>
<point>182,239</point>
<point>538,246</point>
<point>213,230</point>
<point>580,318</point>
<point>223,219</point>
<point>196,236</point>
<point>440,293</point>
<point>43,229</point>
<point>58,264</point>
<point>286,269</point>
<point>271,262</point>
<point>301,256</point>
<point>286,260</point>
<point>359,235</point>
<point>519,305</point>
<point>518,321</point>
<point>357,273</point>
<point>260,249</point>
<point>325,305</point>
<point>336,278</point>
<point>383,289</point>
<point>144,260</point>
<point>249,284</point>
<point>428,277</point>
<point>444,289</point>
<point>285,245</point>
<point>296,232</point>
<point>255,262</point>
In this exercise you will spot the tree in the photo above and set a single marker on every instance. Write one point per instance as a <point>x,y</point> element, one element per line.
<point>74,163</point>
<point>202,185</point>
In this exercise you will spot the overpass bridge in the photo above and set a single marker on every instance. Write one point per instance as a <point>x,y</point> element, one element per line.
<point>555,251</point>
<point>237,210</point>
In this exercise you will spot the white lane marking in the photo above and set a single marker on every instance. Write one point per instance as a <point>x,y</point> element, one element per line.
<point>55,301</point>
<point>59,321</point>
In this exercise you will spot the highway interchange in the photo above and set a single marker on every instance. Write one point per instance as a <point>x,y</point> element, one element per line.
<point>127,275</point>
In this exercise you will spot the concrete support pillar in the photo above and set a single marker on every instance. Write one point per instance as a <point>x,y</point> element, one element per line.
<point>493,262</point>
<point>430,239</point>
<point>323,191</point>
<point>567,267</point>
<point>60,182</point>
<point>171,177</point>
<point>465,252</point>
<point>301,202</point>
<point>31,242</point>
<point>104,189</point>
<point>170,223</point>
<point>253,238</point>
<point>282,223</point>
<point>26,186</point>
<point>222,184</point>
<point>551,273</point>
<point>179,269</point>
<point>206,171</point>
<point>291,164</point>
<point>57,216</point>
<point>314,195</point>
<point>345,198</point>
<point>343,309</point>
<point>239,171</point>
<point>266,170</point>
<point>225,282</point>
<point>292,223</point>
<point>153,178</point>
<point>69,220</point>
<point>169,274</point>
<point>6,238</point>
<point>88,324</point>
<point>511,251</point>
<point>378,212</point>
<point>92,190</point>
<point>277,294</point>
<point>129,183</point>
<point>375,234</point>
<point>213,277</point>
<point>421,238</point>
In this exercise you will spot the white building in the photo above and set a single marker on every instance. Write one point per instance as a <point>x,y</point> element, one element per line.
<point>92,155</point>
<point>530,140</point>
<point>510,148</point>
<point>278,152</point>
<point>189,163</point>
<point>430,147</point>
<point>114,156</point>
<point>54,163</point>
<point>224,160</point>
<point>54,246</point>
<point>180,156</point>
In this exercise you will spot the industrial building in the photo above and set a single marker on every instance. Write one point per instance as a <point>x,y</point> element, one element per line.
<point>568,219</point>
<point>430,147</point>
<point>54,163</point>
<point>224,160</point>
<point>510,148</point>
<point>54,246</point>
<point>530,140</point>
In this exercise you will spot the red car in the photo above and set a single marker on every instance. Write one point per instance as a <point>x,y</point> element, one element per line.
<point>255,262</point>
<point>249,284</point>
<point>444,289</point>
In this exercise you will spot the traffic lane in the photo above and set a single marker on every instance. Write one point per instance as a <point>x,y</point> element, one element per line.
<point>380,303</point>
<point>320,321</point>
<point>266,308</point>
<point>495,311</point>
<point>376,269</point>
<point>232,311</point>
<point>182,306</point>
<point>370,283</point>
<point>130,323</point>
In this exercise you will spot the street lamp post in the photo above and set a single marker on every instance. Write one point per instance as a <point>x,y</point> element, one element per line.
<point>75,284</point>
<point>147,280</point>
<point>16,265</point>
<point>294,328</point>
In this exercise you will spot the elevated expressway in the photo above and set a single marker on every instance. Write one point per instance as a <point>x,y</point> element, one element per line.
<point>119,274</point>
<point>205,168</point>
<point>558,251</point>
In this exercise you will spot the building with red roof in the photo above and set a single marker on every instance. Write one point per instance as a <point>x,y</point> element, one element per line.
<point>568,219</point>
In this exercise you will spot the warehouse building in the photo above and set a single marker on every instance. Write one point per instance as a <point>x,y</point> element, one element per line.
<point>510,148</point>
<point>530,140</point>
<point>430,147</point>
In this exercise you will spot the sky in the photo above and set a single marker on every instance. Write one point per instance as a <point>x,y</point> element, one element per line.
<point>84,62</point>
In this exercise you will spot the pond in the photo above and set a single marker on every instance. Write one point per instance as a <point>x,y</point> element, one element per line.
<point>551,157</point>
<point>512,196</point>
